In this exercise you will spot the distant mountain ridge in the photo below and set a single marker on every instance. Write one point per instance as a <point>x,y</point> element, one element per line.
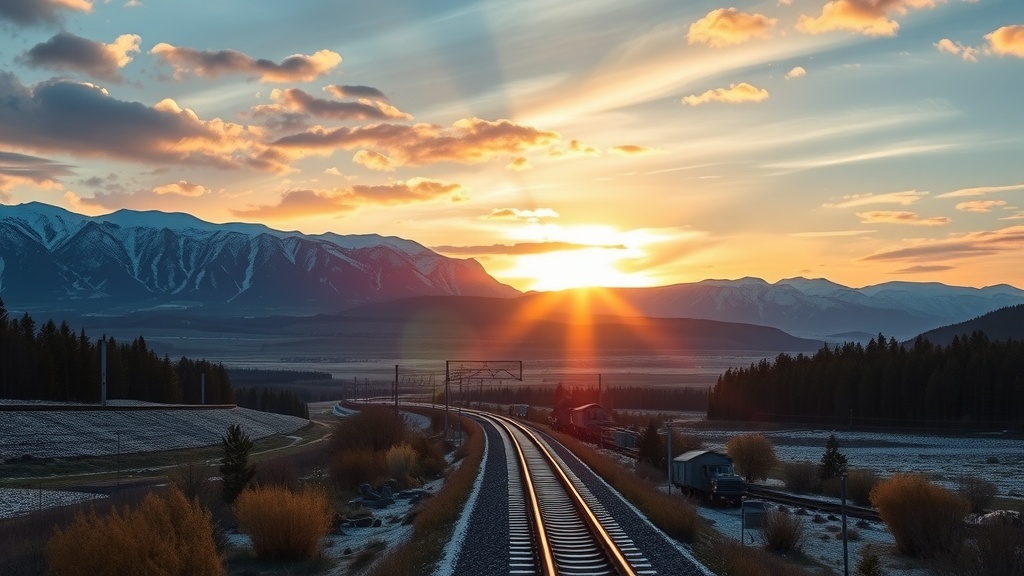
<point>51,258</point>
<point>815,308</point>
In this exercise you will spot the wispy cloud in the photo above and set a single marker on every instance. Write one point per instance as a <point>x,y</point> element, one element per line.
<point>980,191</point>
<point>904,198</point>
<point>901,217</point>
<point>868,17</point>
<point>345,91</point>
<point>468,141</point>
<point>519,163</point>
<point>923,269</point>
<point>18,168</point>
<point>307,202</point>
<point>214,63</point>
<point>980,205</point>
<point>734,94</point>
<point>374,161</point>
<point>831,233</point>
<point>182,188</point>
<point>534,215</point>
<point>296,100</point>
<point>634,150</point>
<point>965,246</point>
<point>728,26</point>
<point>520,248</point>
<point>968,53</point>
<point>65,51</point>
<point>876,153</point>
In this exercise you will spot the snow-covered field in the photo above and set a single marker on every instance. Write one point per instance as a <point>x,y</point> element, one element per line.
<point>73,433</point>
<point>68,434</point>
<point>942,458</point>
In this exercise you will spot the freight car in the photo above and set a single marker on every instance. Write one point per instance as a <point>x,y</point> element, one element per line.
<point>708,475</point>
<point>586,422</point>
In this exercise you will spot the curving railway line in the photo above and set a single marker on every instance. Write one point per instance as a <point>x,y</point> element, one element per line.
<point>557,527</point>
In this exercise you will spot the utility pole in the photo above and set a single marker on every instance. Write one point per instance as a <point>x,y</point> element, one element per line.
<point>395,391</point>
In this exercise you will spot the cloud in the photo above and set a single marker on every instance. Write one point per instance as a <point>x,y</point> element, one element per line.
<point>734,94</point>
<point>968,245</point>
<point>305,202</point>
<point>333,171</point>
<point>980,205</point>
<point>520,248</point>
<point>373,160</point>
<point>340,91</point>
<point>213,63</point>
<point>295,100</point>
<point>868,17</point>
<point>517,214</point>
<point>905,198</point>
<point>634,150</point>
<point>468,141</point>
<point>24,169</point>
<point>923,269</point>
<point>30,12</point>
<point>968,53</point>
<point>980,191</point>
<point>728,26</point>
<point>1007,41</point>
<point>519,163</point>
<point>893,217</point>
<point>575,149</point>
<point>831,233</point>
<point>797,72</point>
<point>1017,216</point>
<point>65,51</point>
<point>84,120</point>
<point>181,188</point>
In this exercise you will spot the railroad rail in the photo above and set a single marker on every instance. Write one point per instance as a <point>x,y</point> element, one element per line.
<point>858,512</point>
<point>569,530</point>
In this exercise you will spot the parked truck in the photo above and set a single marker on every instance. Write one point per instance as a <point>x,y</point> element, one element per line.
<point>708,475</point>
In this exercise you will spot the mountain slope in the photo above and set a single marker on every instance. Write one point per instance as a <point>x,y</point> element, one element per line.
<point>1003,324</point>
<point>54,259</point>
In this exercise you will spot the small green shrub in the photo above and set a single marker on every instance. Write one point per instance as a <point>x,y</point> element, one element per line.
<point>925,519</point>
<point>165,535</point>
<point>282,524</point>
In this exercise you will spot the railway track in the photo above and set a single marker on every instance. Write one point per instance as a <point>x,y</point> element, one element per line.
<point>556,526</point>
<point>812,504</point>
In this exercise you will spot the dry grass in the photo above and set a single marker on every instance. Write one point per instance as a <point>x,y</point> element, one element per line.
<point>438,515</point>
<point>727,557</point>
<point>783,532</point>
<point>926,520</point>
<point>166,535</point>
<point>351,468</point>
<point>401,459</point>
<point>284,525</point>
<point>801,477</point>
<point>978,492</point>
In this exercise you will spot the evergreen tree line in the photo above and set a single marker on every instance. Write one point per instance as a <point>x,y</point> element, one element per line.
<point>56,363</point>
<point>972,383</point>
<point>661,398</point>
<point>271,400</point>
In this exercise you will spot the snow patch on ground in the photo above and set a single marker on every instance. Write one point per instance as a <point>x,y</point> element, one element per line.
<point>20,501</point>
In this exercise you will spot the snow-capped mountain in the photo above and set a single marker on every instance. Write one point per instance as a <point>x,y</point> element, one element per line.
<point>54,259</point>
<point>818,308</point>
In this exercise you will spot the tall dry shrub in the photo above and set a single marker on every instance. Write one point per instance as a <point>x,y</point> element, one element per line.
<point>801,477</point>
<point>978,492</point>
<point>925,519</point>
<point>373,428</point>
<point>725,556</point>
<point>430,461</point>
<point>166,535</point>
<point>401,459</point>
<point>993,551</point>
<point>351,468</point>
<point>783,533</point>
<point>753,456</point>
<point>193,479</point>
<point>282,524</point>
<point>859,484</point>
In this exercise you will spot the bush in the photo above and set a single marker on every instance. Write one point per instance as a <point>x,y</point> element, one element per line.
<point>978,492</point>
<point>859,484</point>
<point>801,477</point>
<point>373,428</point>
<point>352,468</point>
<point>282,524</point>
<point>994,551</point>
<point>401,459</point>
<point>924,519</point>
<point>752,455</point>
<point>276,473</point>
<point>783,533</point>
<point>193,479</point>
<point>164,535</point>
<point>728,557</point>
<point>869,563</point>
<point>430,457</point>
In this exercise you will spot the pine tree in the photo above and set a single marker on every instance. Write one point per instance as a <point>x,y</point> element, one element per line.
<point>235,469</point>
<point>869,564</point>
<point>833,462</point>
<point>650,446</point>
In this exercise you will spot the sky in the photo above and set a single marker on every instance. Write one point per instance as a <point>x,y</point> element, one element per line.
<point>560,144</point>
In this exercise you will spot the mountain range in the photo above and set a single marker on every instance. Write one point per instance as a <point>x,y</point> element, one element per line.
<point>55,260</point>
